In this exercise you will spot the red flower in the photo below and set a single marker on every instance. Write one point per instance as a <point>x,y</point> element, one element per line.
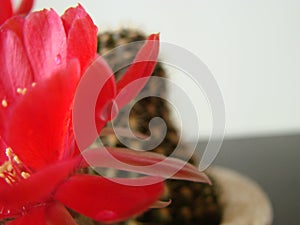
<point>6,9</point>
<point>42,58</point>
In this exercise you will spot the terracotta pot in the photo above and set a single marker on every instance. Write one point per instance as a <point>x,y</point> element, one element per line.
<point>242,199</point>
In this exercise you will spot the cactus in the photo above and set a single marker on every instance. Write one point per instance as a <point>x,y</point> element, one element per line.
<point>192,203</point>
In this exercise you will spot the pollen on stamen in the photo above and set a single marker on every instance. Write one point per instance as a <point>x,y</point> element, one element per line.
<point>8,152</point>
<point>21,91</point>
<point>4,103</point>
<point>13,170</point>
<point>25,175</point>
<point>16,159</point>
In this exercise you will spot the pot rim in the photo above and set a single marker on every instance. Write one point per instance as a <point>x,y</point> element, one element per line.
<point>242,200</point>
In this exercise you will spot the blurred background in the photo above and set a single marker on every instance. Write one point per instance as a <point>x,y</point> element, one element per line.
<point>252,48</point>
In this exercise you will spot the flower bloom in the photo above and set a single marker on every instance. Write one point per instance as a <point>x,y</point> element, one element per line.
<point>42,59</point>
<point>6,9</point>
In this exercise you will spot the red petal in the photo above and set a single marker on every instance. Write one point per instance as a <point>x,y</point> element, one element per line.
<point>34,217</point>
<point>40,124</point>
<point>108,201</point>
<point>25,7</point>
<point>15,24</point>
<point>27,194</point>
<point>45,41</point>
<point>15,68</point>
<point>81,34</point>
<point>144,163</point>
<point>57,214</point>
<point>6,10</point>
<point>96,88</point>
<point>3,147</point>
<point>105,109</point>
<point>72,14</point>
<point>142,67</point>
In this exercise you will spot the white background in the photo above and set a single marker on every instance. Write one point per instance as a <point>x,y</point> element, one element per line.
<point>251,47</point>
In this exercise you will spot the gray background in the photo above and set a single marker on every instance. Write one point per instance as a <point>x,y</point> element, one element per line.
<point>274,163</point>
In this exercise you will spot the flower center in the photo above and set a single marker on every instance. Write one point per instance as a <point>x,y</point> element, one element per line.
<point>13,170</point>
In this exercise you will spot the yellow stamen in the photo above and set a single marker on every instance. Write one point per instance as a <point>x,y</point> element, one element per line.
<point>8,180</point>
<point>21,91</point>
<point>8,152</point>
<point>4,103</point>
<point>25,175</point>
<point>17,160</point>
<point>13,170</point>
